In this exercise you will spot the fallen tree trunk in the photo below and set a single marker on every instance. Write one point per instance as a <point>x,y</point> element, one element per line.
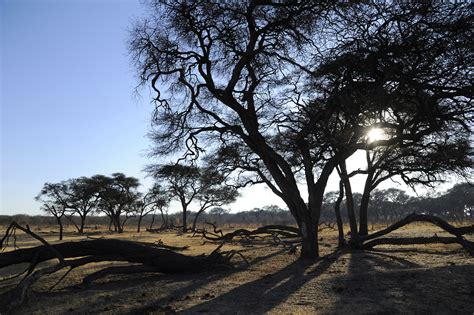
<point>375,239</point>
<point>414,217</point>
<point>144,257</point>
<point>163,260</point>
<point>274,230</point>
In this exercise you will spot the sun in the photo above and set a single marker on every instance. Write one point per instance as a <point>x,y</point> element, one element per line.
<point>375,134</point>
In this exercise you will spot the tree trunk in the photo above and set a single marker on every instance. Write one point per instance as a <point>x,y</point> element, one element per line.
<point>83,223</point>
<point>309,240</point>
<point>60,223</point>
<point>195,220</point>
<point>164,260</point>
<point>118,224</point>
<point>364,205</point>
<point>185,218</point>
<point>350,205</point>
<point>337,210</point>
<point>139,223</point>
<point>152,220</point>
<point>163,218</point>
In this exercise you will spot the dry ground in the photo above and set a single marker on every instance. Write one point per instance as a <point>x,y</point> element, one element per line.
<point>434,279</point>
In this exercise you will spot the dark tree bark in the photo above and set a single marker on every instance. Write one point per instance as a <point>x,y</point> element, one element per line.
<point>83,223</point>
<point>275,229</point>
<point>364,205</point>
<point>162,260</point>
<point>185,218</point>
<point>350,204</point>
<point>337,210</point>
<point>152,221</point>
<point>195,220</point>
<point>60,223</point>
<point>139,223</point>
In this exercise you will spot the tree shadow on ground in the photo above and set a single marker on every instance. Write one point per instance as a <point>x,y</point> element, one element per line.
<point>417,251</point>
<point>379,283</point>
<point>198,281</point>
<point>265,293</point>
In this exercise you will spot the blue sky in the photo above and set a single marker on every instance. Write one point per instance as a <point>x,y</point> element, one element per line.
<point>67,102</point>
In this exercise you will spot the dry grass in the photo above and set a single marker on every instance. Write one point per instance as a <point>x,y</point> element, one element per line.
<point>420,279</point>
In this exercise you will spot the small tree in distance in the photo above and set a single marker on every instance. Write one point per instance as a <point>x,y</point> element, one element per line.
<point>83,198</point>
<point>187,184</point>
<point>117,194</point>
<point>53,198</point>
<point>155,198</point>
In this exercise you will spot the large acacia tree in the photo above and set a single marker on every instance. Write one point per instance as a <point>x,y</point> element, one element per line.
<point>286,92</point>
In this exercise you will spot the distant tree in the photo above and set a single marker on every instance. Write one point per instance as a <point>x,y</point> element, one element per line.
<point>213,193</point>
<point>53,197</point>
<point>456,204</point>
<point>187,184</point>
<point>460,200</point>
<point>83,198</point>
<point>219,211</point>
<point>77,196</point>
<point>155,198</point>
<point>117,195</point>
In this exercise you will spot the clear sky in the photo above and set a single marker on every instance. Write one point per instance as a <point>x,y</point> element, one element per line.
<point>67,102</point>
<point>68,107</point>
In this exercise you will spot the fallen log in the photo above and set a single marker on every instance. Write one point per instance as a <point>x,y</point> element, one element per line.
<point>144,257</point>
<point>375,239</point>
<point>273,230</point>
<point>163,260</point>
<point>414,217</point>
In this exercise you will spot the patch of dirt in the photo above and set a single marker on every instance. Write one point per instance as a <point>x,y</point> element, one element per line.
<point>434,279</point>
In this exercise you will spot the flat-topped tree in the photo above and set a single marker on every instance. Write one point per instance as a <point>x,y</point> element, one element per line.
<point>53,197</point>
<point>288,91</point>
<point>156,198</point>
<point>117,195</point>
<point>83,199</point>
<point>77,196</point>
<point>189,184</point>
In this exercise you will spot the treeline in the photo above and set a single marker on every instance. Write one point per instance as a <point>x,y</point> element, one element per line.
<point>258,216</point>
<point>117,197</point>
<point>390,205</point>
<point>150,209</point>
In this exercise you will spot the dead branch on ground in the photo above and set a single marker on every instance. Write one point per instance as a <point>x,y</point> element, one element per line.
<point>247,235</point>
<point>144,257</point>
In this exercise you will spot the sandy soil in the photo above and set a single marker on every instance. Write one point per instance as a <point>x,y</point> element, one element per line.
<point>425,279</point>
